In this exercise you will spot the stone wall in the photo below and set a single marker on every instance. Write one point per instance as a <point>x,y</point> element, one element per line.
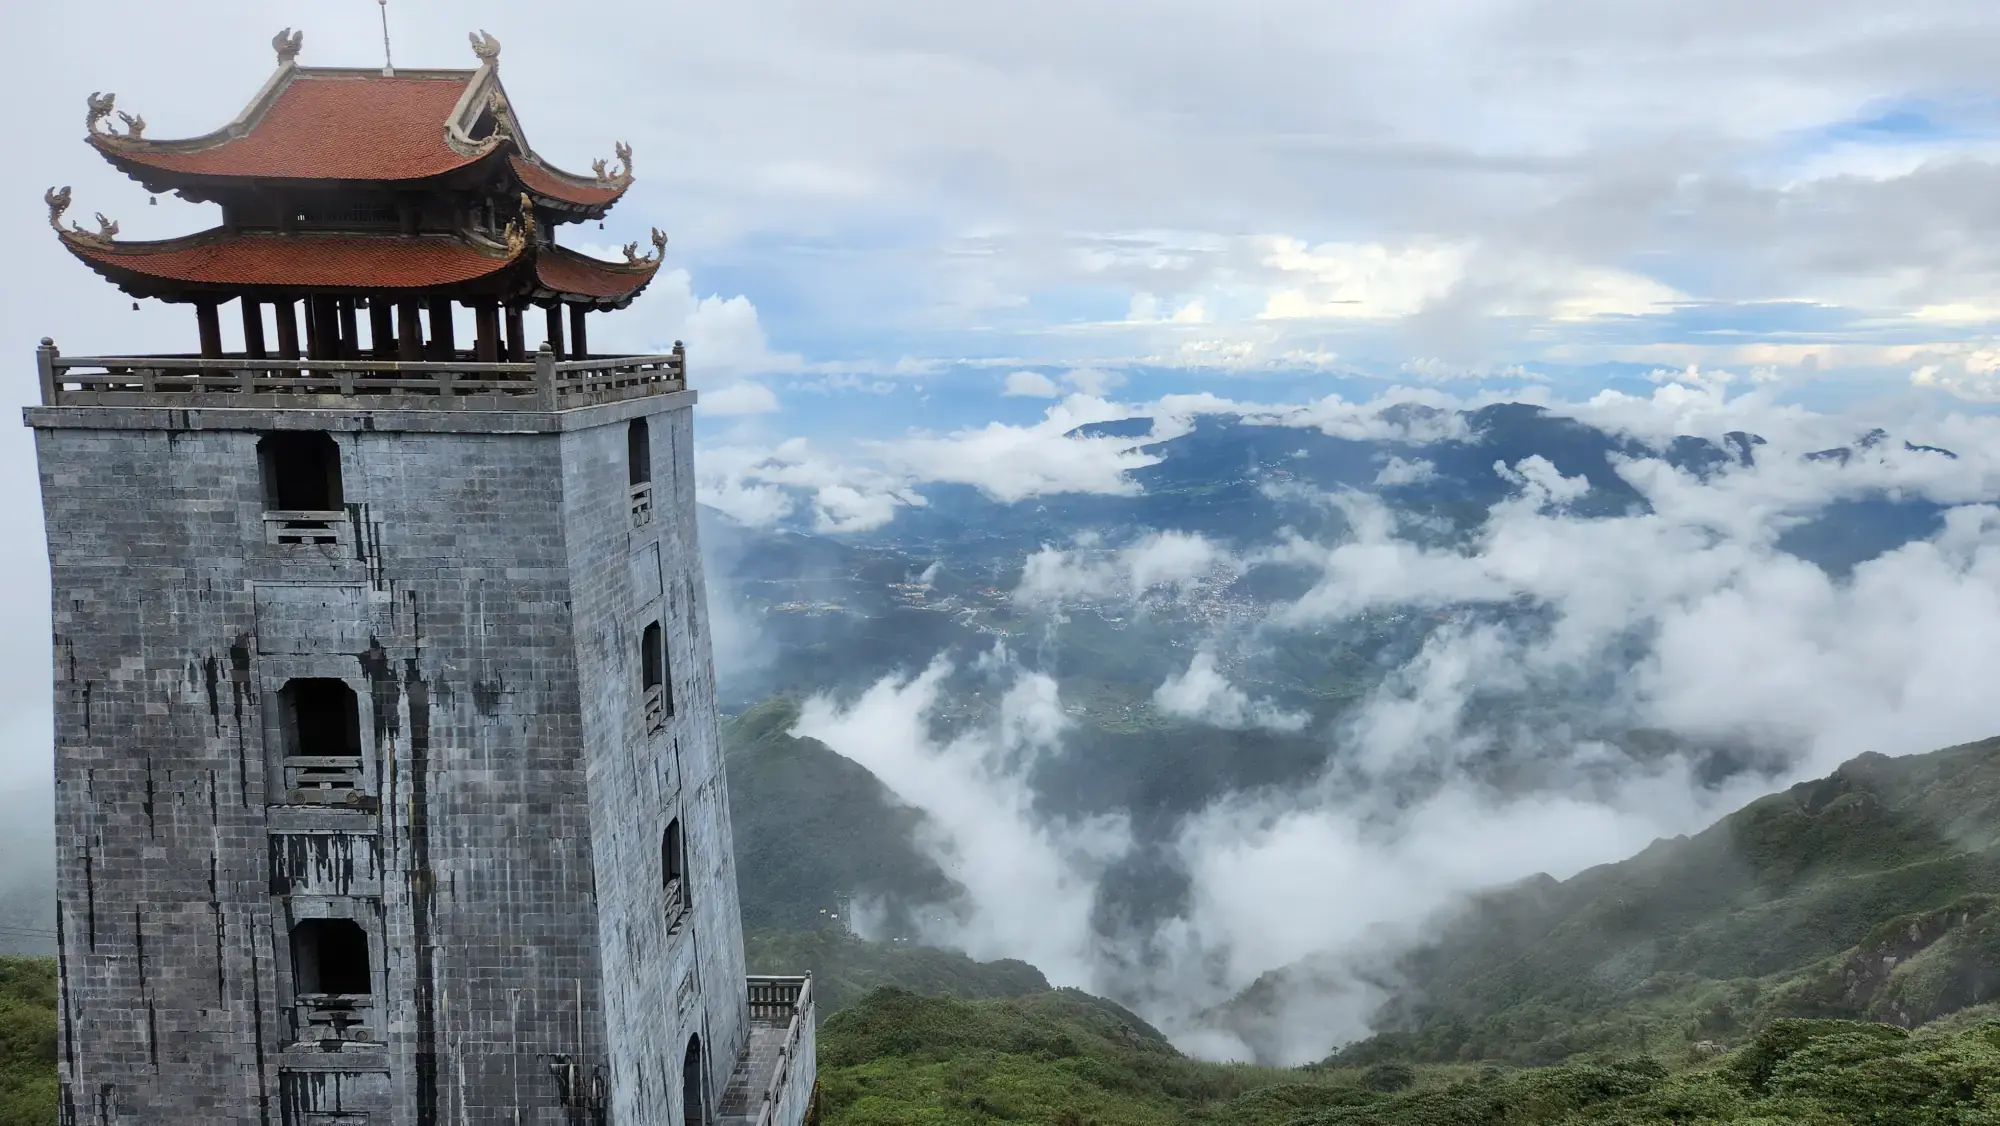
<point>503,854</point>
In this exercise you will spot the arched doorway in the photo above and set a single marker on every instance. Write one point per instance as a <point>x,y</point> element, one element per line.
<point>693,1111</point>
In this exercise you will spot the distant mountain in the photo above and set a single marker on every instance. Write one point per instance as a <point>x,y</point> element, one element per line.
<point>1218,479</point>
<point>1871,894</point>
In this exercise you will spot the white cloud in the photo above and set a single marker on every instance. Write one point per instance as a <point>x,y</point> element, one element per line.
<point>1168,562</point>
<point>764,486</point>
<point>1203,693</point>
<point>1397,471</point>
<point>1030,884</point>
<point>1031,384</point>
<point>746,397</point>
<point>1011,463</point>
<point>1974,376</point>
<point>1094,382</point>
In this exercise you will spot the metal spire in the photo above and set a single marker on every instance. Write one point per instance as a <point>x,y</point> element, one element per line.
<point>388,61</point>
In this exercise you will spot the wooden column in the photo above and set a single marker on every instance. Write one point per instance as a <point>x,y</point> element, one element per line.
<point>381,328</point>
<point>487,317</point>
<point>253,328</point>
<point>288,328</point>
<point>555,333</point>
<point>211,330</point>
<point>409,333</point>
<point>350,331</point>
<point>322,328</point>
<point>517,343</point>
<point>579,343</point>
<point>443,347</point>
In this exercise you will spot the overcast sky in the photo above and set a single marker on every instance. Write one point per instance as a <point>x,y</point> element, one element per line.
<point>893,215</point>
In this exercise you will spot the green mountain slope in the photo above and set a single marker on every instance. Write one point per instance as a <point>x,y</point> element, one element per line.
<point>812,827</point>
<point>846,969</point>
<point>1870,894</point>
<point>1068,1059</point>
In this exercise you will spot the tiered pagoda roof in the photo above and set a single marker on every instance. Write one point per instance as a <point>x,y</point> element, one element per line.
<point>350,182</point>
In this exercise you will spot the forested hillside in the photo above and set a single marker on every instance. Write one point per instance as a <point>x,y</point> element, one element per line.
<point>1872,894</point>
<point>1068,1059</point>
<point>27,1041</point>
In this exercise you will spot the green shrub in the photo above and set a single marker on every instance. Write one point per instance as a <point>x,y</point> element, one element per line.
<point>1389,1077</point>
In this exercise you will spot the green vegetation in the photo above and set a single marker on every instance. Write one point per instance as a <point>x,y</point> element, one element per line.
<point>845,969</point>
<point>810,827</point>
<point>1873,894</point>
<point>27,1041</point>
<point>1064,1057</point>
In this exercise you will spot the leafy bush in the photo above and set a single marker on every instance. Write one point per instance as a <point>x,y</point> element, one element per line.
<point>1389,1076</point>
<point>27,1041</point>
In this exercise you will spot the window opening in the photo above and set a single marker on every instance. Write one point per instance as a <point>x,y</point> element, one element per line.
<point>322,741</point>
<point>639,471</point>
<point>302,495</point>
<point>333,989</point>
<point>653,676</point>
<point>673,875</point>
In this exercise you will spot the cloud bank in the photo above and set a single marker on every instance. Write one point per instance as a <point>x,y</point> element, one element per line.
<point>1497,748</point>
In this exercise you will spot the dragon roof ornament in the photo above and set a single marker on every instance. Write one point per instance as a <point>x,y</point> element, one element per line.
<point>633,258</point>
<point>97,123</point>
<point>485,46</point>
<point>58,200</point>
<point>621,176</point>
<point>287,44</point>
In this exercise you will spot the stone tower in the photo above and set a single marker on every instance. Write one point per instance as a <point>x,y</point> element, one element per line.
<point>388,784</point>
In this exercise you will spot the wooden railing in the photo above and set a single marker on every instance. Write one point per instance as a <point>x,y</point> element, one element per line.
<point>332,1018</point>
<point>461,383</point>
<point>773,999</point>
<point>642,504</point>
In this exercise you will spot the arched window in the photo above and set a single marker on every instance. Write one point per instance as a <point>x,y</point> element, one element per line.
<point>321,720</point>
<point>639,470</point>
<point>673,874</point>
<point>653,680</point>
<point>693,1110</point>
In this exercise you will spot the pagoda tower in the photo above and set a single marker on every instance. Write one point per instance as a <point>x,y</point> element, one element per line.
<point>387,775</point>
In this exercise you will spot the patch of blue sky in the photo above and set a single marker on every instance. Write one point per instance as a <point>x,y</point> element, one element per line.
<point>1939,123</point>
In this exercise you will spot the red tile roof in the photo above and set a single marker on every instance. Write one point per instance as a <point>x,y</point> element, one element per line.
<point>566,271</point>
<point>544,181</point>
<point>327,126</point>
<point>296,261</point>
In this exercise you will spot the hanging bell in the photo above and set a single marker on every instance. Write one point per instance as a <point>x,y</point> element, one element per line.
<point>135,306</point>
<point>600,224</point>
<point>152,201</point>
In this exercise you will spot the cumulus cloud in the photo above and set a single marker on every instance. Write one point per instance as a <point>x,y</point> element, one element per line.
<point>1031,384</point>
<point>1203,693</point>
<point>1011,463</point>
<point>1397,471</point>
<point>761,487</point>
<point>1168,562</point>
